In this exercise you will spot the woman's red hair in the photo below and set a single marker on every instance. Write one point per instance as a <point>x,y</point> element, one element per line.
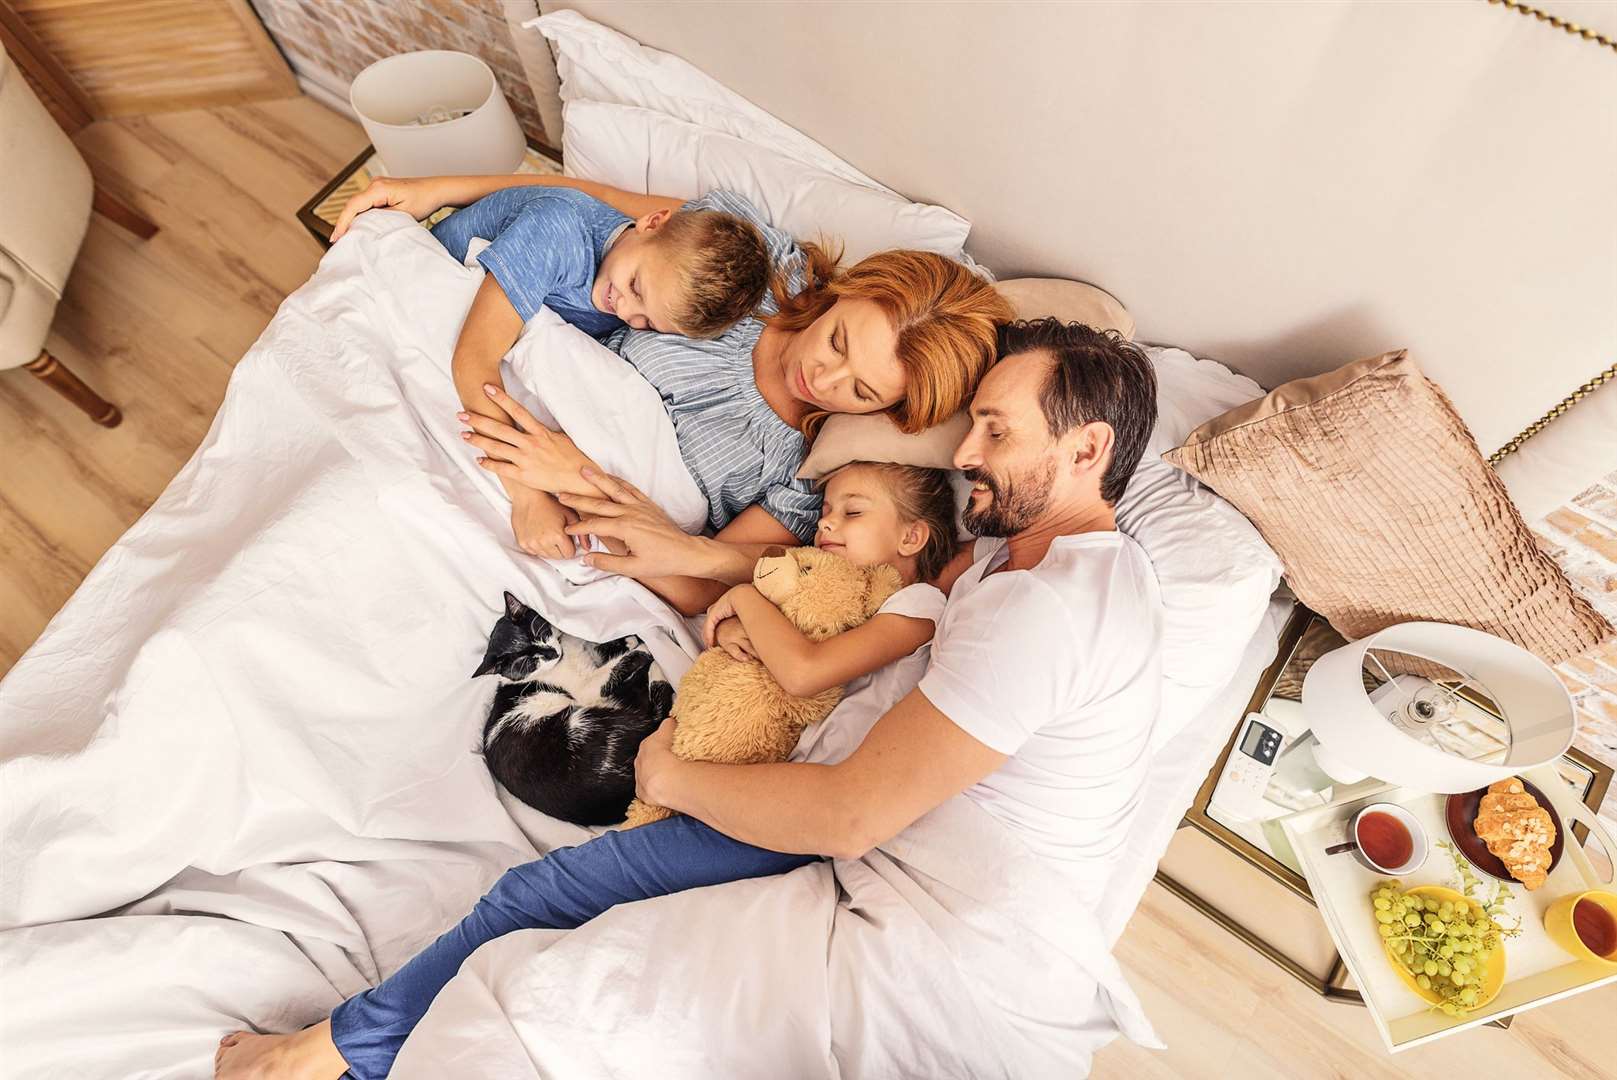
<point>945,317</point>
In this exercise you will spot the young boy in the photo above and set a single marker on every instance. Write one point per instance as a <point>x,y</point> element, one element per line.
<point>689,272</point>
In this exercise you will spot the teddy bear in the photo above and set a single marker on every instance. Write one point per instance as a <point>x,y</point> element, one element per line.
<point>734,711</point>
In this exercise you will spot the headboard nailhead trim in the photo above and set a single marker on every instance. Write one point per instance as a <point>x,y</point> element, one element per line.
<point>1542,422</point>
<point>1610,373</point>
<point>1560,24</point>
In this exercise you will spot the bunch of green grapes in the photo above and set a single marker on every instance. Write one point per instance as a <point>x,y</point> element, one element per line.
<point>1445,945</point>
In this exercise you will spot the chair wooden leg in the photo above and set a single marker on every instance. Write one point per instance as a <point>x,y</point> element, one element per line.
<point>119,212</point>
<point>70,386</point>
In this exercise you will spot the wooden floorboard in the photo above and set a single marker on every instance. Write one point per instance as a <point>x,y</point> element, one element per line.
<point>157,326</point>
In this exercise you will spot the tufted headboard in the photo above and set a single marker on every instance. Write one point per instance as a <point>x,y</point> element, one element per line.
<point>1284,187</point>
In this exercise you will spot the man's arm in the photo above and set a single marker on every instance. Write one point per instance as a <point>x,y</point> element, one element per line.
<point>914,759</point>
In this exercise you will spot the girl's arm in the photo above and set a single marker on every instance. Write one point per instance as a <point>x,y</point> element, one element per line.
<point>422,196</point>
<point>804,667</point>
<point>913,760</point>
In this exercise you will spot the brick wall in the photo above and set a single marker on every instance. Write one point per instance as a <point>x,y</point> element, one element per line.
<point>331,41</point>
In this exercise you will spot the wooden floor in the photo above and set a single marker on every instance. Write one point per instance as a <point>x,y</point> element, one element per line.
<point>156,327</point>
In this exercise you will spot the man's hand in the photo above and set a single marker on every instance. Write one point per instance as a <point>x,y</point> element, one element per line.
<point>653,762</point>
<point>419,197</point>
<point>540,524</point>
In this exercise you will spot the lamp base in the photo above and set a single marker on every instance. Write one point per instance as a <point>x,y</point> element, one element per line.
<point>1334,767</point>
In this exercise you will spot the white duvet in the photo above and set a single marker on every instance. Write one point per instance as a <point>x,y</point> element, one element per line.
<point>239,777</point>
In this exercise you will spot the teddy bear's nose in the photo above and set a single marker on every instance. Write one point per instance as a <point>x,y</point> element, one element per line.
<point>774,551</point>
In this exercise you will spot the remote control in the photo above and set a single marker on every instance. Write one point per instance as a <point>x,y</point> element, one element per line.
<point>1246,774</point>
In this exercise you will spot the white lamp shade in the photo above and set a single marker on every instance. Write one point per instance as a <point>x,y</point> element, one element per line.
<point>392,94</point>
<point>1534,703</point>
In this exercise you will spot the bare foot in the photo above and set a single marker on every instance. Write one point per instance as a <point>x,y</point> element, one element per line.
<point>304,1055</point>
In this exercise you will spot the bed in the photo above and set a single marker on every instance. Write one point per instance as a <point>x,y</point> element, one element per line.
<point>240,768</point>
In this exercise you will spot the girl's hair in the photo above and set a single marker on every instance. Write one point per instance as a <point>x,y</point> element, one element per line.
<point>923,495</point>
<point>946,319</point>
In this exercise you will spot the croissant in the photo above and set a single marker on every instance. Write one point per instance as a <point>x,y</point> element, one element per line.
<point>1517,830</point>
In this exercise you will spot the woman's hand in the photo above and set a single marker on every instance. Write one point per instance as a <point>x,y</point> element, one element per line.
<point>418,196</point>
<point>654,546</point>
<point>652,763</point>
<point>530,453</point>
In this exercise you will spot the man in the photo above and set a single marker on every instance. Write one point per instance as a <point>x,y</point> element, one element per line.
<point>1043,681</point>
<point>1037,702</point>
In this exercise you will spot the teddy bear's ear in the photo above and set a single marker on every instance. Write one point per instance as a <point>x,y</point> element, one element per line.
<point>881,582</point>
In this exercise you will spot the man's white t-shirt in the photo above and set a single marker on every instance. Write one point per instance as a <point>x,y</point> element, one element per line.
<point>868,697</point>
<point>1060,668</point>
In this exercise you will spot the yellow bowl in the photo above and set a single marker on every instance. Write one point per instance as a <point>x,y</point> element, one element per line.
<point>1492,977</point>
<point>1558,924</point>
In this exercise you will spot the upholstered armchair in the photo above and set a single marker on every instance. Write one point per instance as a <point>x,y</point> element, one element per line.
<point>46,193</point>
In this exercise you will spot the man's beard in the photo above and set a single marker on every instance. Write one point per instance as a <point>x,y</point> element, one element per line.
<point>1013,504</point>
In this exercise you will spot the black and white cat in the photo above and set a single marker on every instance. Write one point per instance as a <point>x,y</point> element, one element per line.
<point>568,716</point>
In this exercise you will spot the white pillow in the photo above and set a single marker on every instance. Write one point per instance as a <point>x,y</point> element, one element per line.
<point>1215,571</point>
<point>644,151</point>
<point>647,121</point>
<point>599,64</point>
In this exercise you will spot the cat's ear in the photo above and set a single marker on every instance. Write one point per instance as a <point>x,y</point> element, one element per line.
<point>488,665</point>
<point>514,607</point>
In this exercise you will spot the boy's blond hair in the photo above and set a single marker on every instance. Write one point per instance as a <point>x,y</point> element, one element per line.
<point>723,269</point>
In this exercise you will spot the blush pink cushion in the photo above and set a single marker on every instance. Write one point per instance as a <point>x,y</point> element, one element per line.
<point>1370,488</point>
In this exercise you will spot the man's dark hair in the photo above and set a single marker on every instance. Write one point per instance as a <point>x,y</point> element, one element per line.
<point>1097,375</point>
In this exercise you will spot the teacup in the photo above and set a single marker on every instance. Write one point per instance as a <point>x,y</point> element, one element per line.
<point>1386,838</point>
<point>1582,931</point>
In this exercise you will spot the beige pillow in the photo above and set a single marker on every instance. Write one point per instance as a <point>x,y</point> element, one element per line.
<point>1368,485</point>
<point>1069,301</point>
<point>846,438</point>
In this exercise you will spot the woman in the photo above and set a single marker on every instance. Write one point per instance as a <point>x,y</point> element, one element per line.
<point>903,332</point>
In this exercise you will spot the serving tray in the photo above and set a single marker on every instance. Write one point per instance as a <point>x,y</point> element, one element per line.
<point>1537,971</point>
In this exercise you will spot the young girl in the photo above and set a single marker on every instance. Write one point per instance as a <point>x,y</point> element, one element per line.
<point>872,513</point>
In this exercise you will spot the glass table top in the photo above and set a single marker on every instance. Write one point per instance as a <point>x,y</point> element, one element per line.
<point>1465,722</point>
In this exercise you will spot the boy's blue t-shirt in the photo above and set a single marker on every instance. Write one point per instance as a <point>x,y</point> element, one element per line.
<point>545,244</point>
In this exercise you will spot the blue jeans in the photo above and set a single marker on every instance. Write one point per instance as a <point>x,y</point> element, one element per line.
<point>563,890</point>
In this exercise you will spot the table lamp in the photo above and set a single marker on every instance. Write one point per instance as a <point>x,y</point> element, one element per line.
<point>1402,730</point>
<point>435,113</point>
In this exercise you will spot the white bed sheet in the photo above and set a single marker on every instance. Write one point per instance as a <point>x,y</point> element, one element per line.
<point>241,779</point>
<point>1177,771</point>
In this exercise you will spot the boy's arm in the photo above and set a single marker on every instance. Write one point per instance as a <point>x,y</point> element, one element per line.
<point>422,196</point>
<point>492,326</point>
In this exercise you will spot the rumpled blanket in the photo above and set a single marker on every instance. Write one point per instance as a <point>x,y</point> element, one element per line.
<point>240,781</point>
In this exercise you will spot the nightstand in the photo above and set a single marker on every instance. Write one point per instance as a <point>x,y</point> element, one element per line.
<point>1243,874</point>
<point>319,214</point>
